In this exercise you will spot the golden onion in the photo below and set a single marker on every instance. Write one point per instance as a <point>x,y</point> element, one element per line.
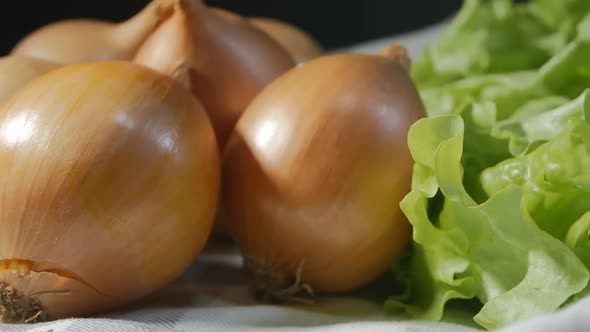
<point>302,46</point>
<point>228,61</point>
<point>110,178</point>
<point>16,71</point>
<point>84,40</point>
<point>315,170</point>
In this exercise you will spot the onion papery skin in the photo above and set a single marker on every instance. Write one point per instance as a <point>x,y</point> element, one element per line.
<point>228,60</point>
<point>17,71</point>
<point>110,178</point>
<point>315,170</point>
<point>302,46</point>
<point>75,41</point>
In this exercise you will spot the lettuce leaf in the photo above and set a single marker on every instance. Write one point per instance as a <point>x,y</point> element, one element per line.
<point>555,179</point>
<point>495,37</point>
<point>500,197</point>
<point>493,251</point>
<point>565,75</point>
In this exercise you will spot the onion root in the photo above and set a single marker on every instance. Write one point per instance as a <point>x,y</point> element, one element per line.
<point>270,287</point>
<point>16,308</point>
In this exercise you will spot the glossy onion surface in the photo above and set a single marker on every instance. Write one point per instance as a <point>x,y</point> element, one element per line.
<point>16,71</point>
<point>110,179</point>
<point>228,60</point>
<point>315,171</point>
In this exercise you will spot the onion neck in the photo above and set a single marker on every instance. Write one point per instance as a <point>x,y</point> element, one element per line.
<point>16,308</point>
<point>398,54</point>
<point>191,12</point>
<point>192,5</point>
<point>133,33</point>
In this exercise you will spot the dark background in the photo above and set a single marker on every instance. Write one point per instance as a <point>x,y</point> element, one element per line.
<point>334,23</point>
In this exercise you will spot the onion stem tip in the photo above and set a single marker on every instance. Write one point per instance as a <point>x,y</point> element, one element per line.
<point>397,53</point>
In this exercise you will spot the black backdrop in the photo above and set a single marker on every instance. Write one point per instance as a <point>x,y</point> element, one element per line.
<point>333,22</point>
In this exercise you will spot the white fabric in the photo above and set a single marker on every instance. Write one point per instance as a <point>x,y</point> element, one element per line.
<point>212,296</point>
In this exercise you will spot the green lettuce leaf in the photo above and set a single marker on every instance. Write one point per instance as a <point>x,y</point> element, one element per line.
<point>500,197</point>
<point>556,183</point>
<point>495,37</point>
<point>544,119</point>
<point>555,179</point>
<point>462,249</point>
<point>562,15</point>
<point>565,75</point>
